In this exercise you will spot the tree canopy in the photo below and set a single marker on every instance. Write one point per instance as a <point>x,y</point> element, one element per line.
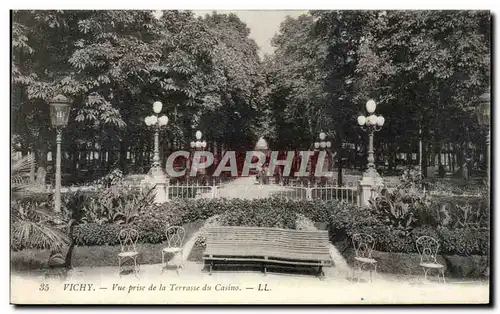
<point>425,69</point>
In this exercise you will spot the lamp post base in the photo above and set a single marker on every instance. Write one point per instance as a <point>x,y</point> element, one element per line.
<point>160,185</point>
<point>369,186</point>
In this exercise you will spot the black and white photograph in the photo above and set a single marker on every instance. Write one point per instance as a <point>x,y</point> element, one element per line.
<point>338,157</point>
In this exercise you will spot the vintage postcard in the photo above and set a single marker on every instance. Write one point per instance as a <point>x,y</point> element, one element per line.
<point>250,157</point>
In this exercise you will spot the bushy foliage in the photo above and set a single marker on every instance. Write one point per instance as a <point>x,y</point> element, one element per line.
<point>32,224</point>
<point>464,241</point>
<point>460,212</point>
<point>116,204</point>
<point>113,178</point>
<point>343,221</point>
<point>261,213</point>
<point>96,234</point>
<point>404,209</point>
<point>153,220</point>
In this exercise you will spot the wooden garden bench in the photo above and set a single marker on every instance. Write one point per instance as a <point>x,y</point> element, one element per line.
<point>268,246</point>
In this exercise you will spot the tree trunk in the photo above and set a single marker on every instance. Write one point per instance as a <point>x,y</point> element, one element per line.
<point>339,174</point>
<point>41,176</point>
<point>453,158</point>
<point>109,162</point>
<point>425,157</point>
<point>123,156</point>
<point>32,169</point>
<point>448,155</point>
<point>74,160</point>
<point>69,253</point>
<point>440,158</point>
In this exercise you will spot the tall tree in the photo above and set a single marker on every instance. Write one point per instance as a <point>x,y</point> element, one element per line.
<point>427,69</point>
<point>296,76</point>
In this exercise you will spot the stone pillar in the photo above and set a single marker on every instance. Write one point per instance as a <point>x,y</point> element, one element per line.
<point>161,186</point>
<point>369,185</point>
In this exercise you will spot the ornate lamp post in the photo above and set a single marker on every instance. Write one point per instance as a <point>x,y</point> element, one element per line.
<point>198,145</point>
<point>59,115</point>
<point>156,123</point>
<point>320,145</point>
<point>371,177</point>
<point>483,117</point>
<point>159,178</point>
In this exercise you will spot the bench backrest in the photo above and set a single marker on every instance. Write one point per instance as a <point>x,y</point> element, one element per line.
<point>244,236</point>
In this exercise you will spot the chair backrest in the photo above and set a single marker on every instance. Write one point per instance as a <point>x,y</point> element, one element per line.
<point>128,239</point>
<point>175,236</point>
<point>363,244</point>
<point>428,248</point>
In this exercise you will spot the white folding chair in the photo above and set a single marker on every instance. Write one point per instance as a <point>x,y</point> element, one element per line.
<point>428,247</point>
<point>128,250</point>
<point>363,247</point>
<point>175,241</point>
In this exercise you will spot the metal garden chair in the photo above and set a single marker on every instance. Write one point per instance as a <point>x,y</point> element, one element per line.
<point>363,247</point>
<point>128,251</point>
<point>428,248</point>
<point>175,241</point>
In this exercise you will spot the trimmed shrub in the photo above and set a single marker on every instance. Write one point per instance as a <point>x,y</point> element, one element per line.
<point>464,241</point>
<point>95,234</point>
<point>260,213</point>
<point>342,219</point>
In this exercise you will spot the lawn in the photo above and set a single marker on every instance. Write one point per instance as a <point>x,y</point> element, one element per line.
<point>94,256</point>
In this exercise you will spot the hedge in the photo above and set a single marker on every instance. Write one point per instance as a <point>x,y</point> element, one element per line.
<point>473,266</point>
<point>342,219</point>
<point>152,221</point>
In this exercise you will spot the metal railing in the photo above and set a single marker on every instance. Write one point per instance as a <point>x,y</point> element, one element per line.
<point>293,190</point>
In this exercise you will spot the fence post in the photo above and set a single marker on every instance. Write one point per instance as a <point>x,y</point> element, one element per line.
<point>309,193</point>
<point>214,189</point>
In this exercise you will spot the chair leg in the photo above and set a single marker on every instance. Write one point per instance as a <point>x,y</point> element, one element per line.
<point>119,266</point>
<point>360,266</point>
<point>162,262</point>
<point>136,270</point>
<point>425,273</point>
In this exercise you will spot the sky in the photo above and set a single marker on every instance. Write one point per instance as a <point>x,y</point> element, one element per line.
<point>263,24</point>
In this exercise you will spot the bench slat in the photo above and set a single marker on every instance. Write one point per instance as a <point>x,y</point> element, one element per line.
<point>269,250</point>
<point>247,247</point>
<point>306,244</point>
<point>319,263</point>
<point>273,245</point>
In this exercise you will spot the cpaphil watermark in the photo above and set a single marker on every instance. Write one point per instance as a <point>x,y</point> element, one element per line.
<point>301,164</point>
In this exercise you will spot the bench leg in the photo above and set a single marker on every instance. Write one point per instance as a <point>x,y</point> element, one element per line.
<point>211,267</point>
<point>265,268</point>
<point>321,273</point>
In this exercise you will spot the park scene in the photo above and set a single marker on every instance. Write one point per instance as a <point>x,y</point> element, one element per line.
<point>351,156</point>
